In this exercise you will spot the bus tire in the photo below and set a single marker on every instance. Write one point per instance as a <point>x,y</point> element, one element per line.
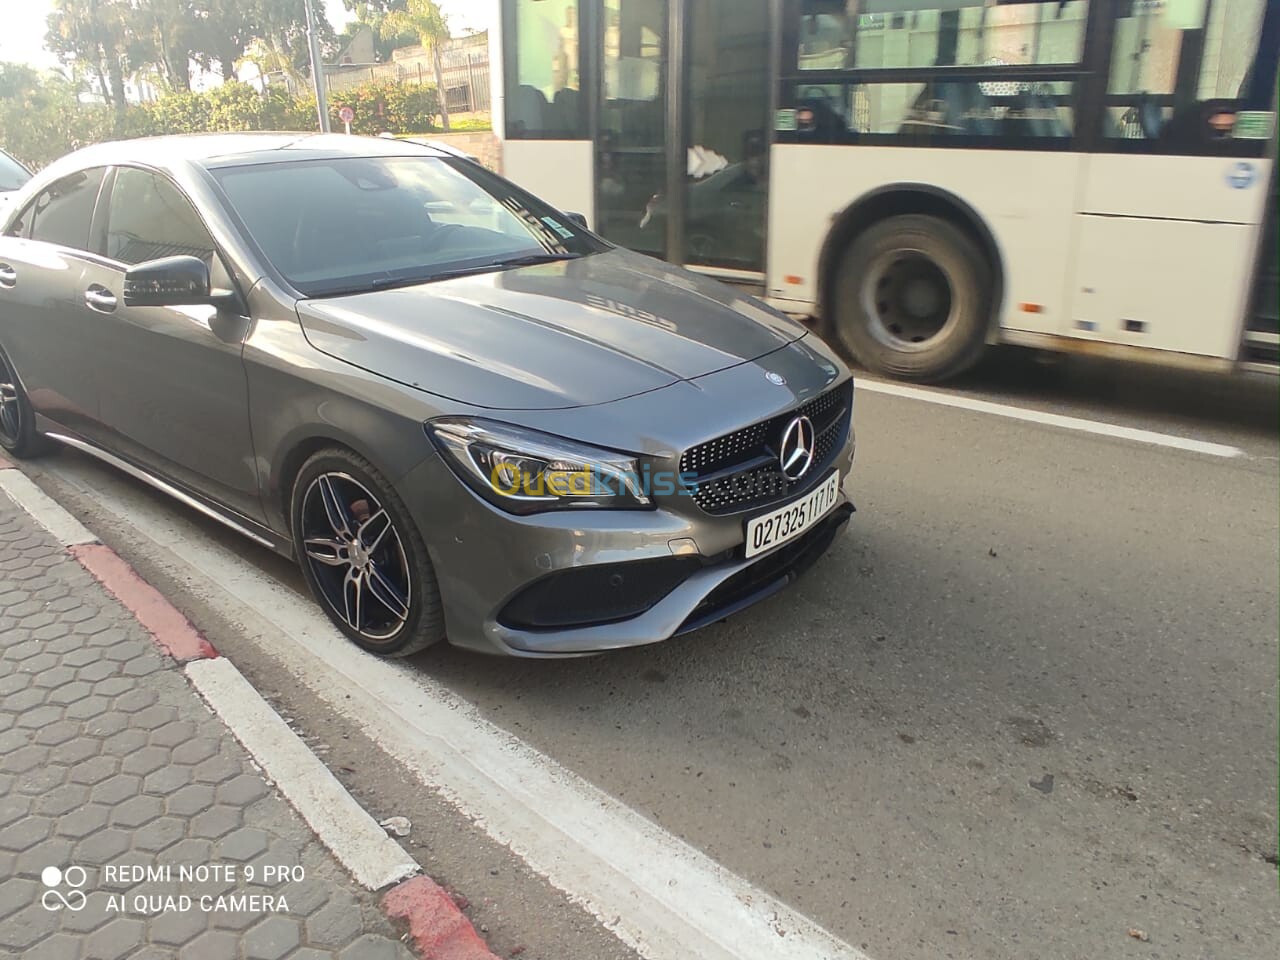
<point>912,298</point>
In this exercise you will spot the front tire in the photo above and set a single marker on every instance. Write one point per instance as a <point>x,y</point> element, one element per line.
<point>363,557</point>
<point>913,298</point>
<point>18,434</point>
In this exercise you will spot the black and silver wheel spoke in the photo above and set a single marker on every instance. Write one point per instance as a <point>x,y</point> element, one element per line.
<point>10,412</point>
<point>387,593</point>
<point>353,597</point>
<point>332,553</point>
<point>335,509</point>
<point>356,556</point>
<point>374,530</point>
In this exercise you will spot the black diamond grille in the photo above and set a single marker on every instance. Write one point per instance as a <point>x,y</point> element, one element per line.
<point>740,470</point>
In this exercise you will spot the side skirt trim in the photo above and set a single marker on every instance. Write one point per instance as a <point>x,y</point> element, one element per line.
<point>163,486</point>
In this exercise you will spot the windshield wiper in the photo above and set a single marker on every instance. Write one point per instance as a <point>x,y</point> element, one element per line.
<point>534,258</point>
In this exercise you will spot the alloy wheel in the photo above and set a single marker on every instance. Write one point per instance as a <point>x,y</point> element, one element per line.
<point>356,556</point>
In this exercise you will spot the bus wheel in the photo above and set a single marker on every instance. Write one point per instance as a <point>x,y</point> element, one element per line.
<point>913,298</point>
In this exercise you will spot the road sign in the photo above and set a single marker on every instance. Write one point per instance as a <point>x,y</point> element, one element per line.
<point>346,115</point>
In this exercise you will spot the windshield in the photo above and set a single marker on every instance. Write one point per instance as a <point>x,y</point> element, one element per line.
<point>350,224</point>
<point>12,173</point>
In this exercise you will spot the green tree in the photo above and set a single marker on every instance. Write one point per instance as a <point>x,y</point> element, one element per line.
<point>424,19</point>
<point>171,27</point>
<point>103,37</point>
<point>373,14</point>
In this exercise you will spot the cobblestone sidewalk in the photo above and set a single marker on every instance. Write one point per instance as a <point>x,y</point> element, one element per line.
<point>132,824</point>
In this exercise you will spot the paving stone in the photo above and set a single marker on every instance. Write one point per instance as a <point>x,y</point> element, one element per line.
<point>167,780</point>
<point>116,789</point>
<point>178,927</point>
<point>242,845</point>
<point>102,846</point>
<point>194,750</point>
<point>84,821</point>
<point>272,938</point>
<point>211,945</point>
<point>334,924</point>
<point>95,770</point>
<point>62,799</point>
<point>215,822</point>
<point>28,926</point>
<point>58,732</point>
<point>60,946</point>
<point>217,769</point>
<point>136,811</point>
<point>190,800</point>
<point>145,760</point>
<point>173,733</point>
<point>26,758</point>
<point>25,833</point>
<point>117,939</point>
<point>242,790</point>
<point>159,833</point>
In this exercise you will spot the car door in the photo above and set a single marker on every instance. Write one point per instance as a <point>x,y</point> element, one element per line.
<point>173,390</point>
<point>44,327</point>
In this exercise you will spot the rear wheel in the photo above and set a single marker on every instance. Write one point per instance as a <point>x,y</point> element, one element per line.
<point>913,298</point>
<point>18,434</point>
<point>363,557</point>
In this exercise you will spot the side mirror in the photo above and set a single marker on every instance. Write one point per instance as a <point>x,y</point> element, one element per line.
<point>171,282</point>
<point>579,219</point>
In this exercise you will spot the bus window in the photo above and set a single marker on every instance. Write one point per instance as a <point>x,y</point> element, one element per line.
<point>944,108</point>
<point>870,34</point>
<point>1190,73</point>
<point>544,99</point>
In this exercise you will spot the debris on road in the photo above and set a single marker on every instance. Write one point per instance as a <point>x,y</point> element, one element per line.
<point>1139,934</point>
<point>397,826</point>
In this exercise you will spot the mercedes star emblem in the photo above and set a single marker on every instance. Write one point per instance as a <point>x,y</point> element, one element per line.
<point>796,452</point>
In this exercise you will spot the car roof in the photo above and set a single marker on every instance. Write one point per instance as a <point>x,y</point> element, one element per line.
<point>214,150</point>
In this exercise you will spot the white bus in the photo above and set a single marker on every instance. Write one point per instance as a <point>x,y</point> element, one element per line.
<point>925,177</point>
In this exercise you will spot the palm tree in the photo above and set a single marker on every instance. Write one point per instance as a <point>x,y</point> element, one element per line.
<point>423,18</point>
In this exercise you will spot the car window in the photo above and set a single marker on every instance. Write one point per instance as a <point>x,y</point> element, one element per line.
<point>62,212</point>
<point>12,173</point>
<point>149,218</point>
<point>348,223</point>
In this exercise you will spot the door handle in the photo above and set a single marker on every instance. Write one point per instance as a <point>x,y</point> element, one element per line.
<point>8,276</point>
<point>99,298</point>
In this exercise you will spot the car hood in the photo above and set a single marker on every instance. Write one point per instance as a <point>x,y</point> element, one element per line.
<point>549,336</point>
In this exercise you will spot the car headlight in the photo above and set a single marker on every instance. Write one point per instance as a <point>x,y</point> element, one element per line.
<point>525,471</point>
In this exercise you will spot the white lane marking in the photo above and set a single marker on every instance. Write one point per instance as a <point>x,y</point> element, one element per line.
<point>45,511</point>
<point>1051,419</point>
<point>659,895</point>
<point>354,837</point>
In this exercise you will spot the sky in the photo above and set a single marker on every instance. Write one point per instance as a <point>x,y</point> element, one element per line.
<point>22,39</point>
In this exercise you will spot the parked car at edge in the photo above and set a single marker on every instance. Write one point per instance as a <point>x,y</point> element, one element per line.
<point>464,414</point>
<point>12,176</point>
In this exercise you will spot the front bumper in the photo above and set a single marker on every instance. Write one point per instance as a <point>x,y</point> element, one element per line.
<point>485,559</point>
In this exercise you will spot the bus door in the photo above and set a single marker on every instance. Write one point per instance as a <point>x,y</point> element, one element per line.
<point>1168,215</point>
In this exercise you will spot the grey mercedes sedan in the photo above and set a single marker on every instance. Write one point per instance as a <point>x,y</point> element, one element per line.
<point>463,413</point>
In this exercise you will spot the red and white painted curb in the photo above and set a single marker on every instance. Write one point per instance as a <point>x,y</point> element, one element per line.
<point>436,928</point>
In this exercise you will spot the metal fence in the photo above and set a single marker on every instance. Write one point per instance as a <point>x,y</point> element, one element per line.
<point>464,68</point>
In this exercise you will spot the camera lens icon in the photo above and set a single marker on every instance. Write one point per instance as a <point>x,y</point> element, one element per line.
<point>54,877</point>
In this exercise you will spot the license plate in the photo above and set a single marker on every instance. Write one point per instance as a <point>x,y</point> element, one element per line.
<point>788,522</point>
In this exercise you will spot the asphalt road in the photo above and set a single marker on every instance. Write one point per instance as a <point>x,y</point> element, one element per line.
<point>1026,705</point>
